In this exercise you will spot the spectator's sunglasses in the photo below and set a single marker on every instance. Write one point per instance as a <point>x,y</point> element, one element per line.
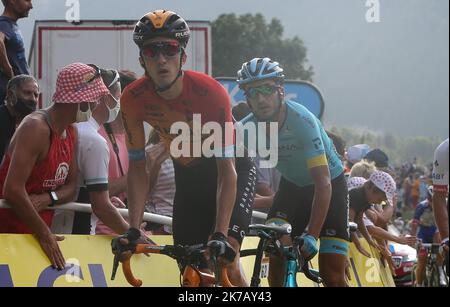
<point>96,75</point>
<point>168,49</point>
<point>265,90</point>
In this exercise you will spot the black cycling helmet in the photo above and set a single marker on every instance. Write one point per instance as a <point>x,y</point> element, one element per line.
<point>161,23</point>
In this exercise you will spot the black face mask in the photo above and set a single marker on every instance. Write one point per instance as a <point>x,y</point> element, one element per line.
<point>24,106</point>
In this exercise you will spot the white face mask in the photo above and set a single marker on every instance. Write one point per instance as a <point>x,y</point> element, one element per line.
<point>114,111</point>
<point>83,116</point>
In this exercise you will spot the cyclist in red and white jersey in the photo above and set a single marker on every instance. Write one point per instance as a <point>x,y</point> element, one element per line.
<point>440,192</point>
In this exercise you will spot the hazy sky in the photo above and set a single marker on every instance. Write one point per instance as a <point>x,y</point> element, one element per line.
<point>387,76</point>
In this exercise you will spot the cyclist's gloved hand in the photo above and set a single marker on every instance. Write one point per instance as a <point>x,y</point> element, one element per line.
<point>219,247</point>
<point>309,247</point>
<point>126,242</point>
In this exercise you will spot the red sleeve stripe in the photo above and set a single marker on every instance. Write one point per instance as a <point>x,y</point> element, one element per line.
<point>440,188</point>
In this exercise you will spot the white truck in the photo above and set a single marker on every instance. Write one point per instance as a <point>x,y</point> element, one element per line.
<point>108,44</point>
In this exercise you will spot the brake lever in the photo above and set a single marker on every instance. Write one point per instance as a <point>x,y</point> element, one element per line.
<point>115,267</point>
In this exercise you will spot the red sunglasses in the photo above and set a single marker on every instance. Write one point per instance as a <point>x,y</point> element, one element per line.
<point>168,49</point>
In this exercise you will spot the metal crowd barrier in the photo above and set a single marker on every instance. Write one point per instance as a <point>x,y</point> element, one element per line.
<point>148,217</point>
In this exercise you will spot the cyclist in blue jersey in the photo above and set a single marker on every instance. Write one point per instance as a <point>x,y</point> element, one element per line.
<point>424,225</point>
<point>312,194</point>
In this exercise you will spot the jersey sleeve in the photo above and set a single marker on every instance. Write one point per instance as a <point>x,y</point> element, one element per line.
<point>309,131</point>
<point>93,163</point>
<point>219,111</point>
<point>133,122</point>
<point>418,213</point>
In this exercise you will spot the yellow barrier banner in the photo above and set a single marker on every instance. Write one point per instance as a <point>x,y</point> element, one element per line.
<point>89,264</point>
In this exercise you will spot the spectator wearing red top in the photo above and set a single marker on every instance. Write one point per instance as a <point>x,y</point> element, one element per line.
<point>42,160</point>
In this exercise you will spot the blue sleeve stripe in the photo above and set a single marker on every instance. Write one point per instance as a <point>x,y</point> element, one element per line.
<point>136,155</point>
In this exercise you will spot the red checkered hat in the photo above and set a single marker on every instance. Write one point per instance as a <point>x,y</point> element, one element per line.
<point>78,83</point>
<point>385,183</point>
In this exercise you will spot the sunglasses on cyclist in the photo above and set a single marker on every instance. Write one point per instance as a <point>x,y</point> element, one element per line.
<point>96,75</point>
<point>265,90</point>
<point>168,49</point>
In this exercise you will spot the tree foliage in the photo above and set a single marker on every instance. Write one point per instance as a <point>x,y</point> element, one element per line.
<point>237,39</point>
<point>399,149</point>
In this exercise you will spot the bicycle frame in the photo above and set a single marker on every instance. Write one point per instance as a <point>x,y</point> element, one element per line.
<point>192,275</point>
<point>291,272</point>
<point>270,243</point>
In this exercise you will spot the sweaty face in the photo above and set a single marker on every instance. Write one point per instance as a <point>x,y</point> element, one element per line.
<point>161,57</point>
<point>263,99</point>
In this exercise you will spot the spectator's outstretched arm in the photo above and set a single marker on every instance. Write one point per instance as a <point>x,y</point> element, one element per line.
<point>27,149</point>
<point>107,212</point>
<point>380,233</point>
<point>363,230</point>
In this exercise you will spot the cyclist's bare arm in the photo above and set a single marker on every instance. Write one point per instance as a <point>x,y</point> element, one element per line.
<point>137,177</point>
<point>441,213</point>
<point>226,193</point>
<point>5,66</point>
<point>322,198</point>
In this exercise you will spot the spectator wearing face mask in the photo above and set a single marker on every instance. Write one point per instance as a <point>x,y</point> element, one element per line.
<point>114,134</point>
<point>21,99</point>
<point>93,161</point>
<point>39,167</point>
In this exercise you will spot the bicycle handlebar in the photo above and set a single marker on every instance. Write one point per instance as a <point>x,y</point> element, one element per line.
<point>189,254</point>
<point>284,229</point>
<point>269,235</point>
